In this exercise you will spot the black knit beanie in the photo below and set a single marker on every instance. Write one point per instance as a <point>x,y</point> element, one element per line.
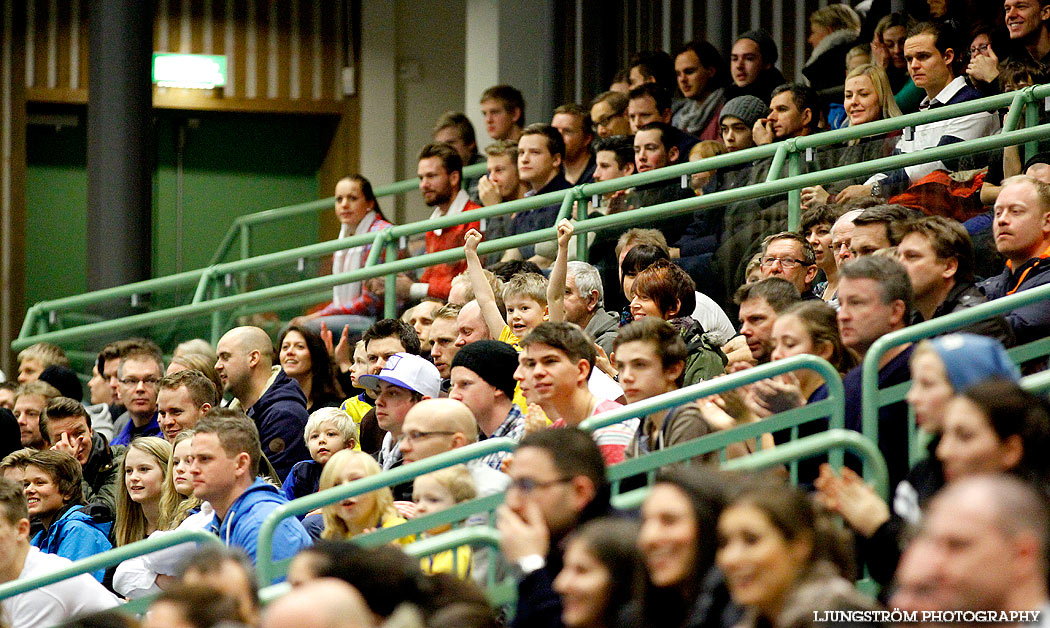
<point>492,361</point>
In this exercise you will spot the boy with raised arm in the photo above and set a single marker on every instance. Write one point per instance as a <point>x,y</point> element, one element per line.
<point>524,296</point>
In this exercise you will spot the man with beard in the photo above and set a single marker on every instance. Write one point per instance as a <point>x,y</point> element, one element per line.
<point>440,175</point>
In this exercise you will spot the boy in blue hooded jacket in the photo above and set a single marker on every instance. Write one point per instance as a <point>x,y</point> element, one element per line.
<point>52,486</point>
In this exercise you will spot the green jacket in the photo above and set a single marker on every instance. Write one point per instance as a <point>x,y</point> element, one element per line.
<point>704,359</point>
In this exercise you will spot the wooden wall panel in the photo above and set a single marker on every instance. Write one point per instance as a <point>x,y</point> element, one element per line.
<point>282,55</point>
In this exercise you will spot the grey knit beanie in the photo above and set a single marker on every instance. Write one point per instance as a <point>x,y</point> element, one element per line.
<point>766,45</point>
<point>747,108</point>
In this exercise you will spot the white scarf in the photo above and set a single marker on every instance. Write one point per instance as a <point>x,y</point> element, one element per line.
<point>350,259</point>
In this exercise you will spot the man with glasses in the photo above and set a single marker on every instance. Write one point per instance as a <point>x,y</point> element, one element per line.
<point>261,389</point>
<point>557,484</point>
<point>405,380</point>
<point>791,257</point>
<point>139,373</point>
<point>434,426</point>
<point>609,114</point>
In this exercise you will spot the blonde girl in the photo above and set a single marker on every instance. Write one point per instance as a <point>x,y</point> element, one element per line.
<point>144,499</point>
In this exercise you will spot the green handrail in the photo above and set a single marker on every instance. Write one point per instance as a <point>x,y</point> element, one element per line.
<point>806,447</point>
<point>107,559</point>
<point>1011,99</point>
<point>1037,383</point>
<point>872,398</point>
<point>780,151</point>
<point>833,407</point>
<point>663,210</point>
<point>312,207</point>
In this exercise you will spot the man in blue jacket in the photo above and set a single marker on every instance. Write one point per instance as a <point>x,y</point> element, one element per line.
<point>225,471</point>
<point>1022,236</point>
<point>266,394</point>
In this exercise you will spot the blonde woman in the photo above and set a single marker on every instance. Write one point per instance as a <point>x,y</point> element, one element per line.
<point>145,496</point>
<point>360,513</point>
<point>144,575</point>
<point>867,97</point>
<point>184,502</point>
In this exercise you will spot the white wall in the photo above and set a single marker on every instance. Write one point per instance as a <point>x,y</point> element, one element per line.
<point>430,59</point>
<point>420,58</point>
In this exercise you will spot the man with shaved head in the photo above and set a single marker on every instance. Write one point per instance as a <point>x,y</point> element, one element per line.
<point>323,603</point>
<point>262,390</point>
<point>988,545</point>
<point>434,426</point>
<point>471,325</point>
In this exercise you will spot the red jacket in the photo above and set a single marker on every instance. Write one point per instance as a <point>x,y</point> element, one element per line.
<point>439,276</point>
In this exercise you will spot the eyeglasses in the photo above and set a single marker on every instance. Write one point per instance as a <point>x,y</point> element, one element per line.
<point>606,120</point>
<point>417,435</point>
<point>527,485</point>
<point>787,263</point>
<point>134,382</point>
<point>979,49</point>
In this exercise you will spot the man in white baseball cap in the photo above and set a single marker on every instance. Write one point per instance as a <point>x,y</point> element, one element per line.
<point>405,380</point>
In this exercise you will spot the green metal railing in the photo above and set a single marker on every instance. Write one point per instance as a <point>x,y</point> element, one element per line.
<point>242,226</point>
<point>832,408</point>
<point>832,441</point>
<point>789,152</point>
<point>107,559</point>
<point>664,210</point>
<point>267,569</point>
<point>873,398</point>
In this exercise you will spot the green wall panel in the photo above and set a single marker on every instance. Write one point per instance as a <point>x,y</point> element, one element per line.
<point>232,164</point>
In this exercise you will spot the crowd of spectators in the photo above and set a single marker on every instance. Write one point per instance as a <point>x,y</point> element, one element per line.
<point>530,343</point>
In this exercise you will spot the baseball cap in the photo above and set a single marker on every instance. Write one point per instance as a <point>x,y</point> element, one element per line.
<point>407,371</point>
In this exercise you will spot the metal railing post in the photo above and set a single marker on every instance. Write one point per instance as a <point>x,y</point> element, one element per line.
<point>582,244</point>
<point>216,316</point>
<point>246,240</point>
<point>795,195</point>
<point>203,284</point>
<point>1031,112</point>
<point>1013,113</point>
<point>390,295</point>
<point>777,165</point>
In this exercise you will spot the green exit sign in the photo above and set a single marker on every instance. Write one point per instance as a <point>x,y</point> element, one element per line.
<point>189,71</point>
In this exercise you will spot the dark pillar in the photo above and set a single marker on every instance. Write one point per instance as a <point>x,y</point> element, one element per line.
<point>12,186</point>
<point>119,143</point>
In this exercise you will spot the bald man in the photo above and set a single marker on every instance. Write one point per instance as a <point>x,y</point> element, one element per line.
<point>471,325</point>
<point>262,390</point>
<point>434,426</point>
<point>842,236</point>
<point>988,537</point>
<point>324,603</point>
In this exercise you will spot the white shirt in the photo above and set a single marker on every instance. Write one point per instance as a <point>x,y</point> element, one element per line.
<point>713,319</point>
<point>602,386</point>
<point>137,577</point>
<point>975,125</point>
<point>51,605</point>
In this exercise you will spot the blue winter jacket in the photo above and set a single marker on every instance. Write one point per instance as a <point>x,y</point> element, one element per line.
<point>240,527</point>
<point>124,437</point>
<point>280,414</point>
<point>305,479</point>
<point>75,535</point>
